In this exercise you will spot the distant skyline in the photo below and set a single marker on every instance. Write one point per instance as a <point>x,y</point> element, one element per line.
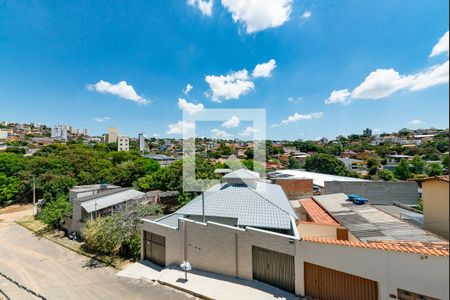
<point>320,69</point>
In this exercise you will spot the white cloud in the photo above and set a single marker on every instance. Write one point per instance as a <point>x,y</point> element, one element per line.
<point>180,127</point>
<point>187,89</point>
<point>204,6</point>
<point>441,46</point>
<point>248,131</point>
<point>230,86</point>
<point>435,75</point>
<point>302,117</point>
<point>295,99</point>
<point>380,84</point>
<point>190,108</point>
<point>340,96</point>
<point>257,15</point>
<point>220,134</point>
<point>121,89</point>
<point>416,122</point>
<point>306,15</point>
<point>101,119</point>
<point>232,122</point>
<point>264,69</point>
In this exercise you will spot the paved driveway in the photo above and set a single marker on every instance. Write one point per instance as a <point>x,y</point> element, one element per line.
<point>58,273</point>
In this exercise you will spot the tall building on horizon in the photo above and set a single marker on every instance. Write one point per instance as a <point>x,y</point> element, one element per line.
<point>141,142</point>
<point>123,143</point>
<point>113,134</point>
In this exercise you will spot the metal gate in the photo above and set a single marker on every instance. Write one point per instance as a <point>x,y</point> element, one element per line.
<point>323,283</point>
<point>274,268</point>
<point>155,248</point>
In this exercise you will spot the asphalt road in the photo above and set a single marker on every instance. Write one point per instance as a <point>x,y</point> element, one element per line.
<point>36,268</point>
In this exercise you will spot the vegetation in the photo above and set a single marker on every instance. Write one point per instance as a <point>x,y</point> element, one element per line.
<point>58,167</point>
<point>54,211</point>
<point>325,163</point>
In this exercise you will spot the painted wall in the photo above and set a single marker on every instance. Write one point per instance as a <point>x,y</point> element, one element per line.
<point>436,207</point>
<point>212,247</point>
<point>317,230</point>
<point>426,275</point>
<point>378,192</point>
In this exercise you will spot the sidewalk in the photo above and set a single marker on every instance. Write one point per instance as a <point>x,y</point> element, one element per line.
<point>204,284</point>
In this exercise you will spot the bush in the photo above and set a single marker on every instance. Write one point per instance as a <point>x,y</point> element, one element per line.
<point>325,163</point>
<point>102,235</point>
<point>54,211</point>
<point>385,175</point>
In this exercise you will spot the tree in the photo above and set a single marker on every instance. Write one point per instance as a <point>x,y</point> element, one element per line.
<point>445,161</point>
<point>249,153</point>
<point>8,188</point>
<point>54,186</point>
<point>54,211</point>
<point>385,175</point>
<point>325,163</point>
<point>417,165</point>
<point>403,170</point>
<point>293,163</point>
<point>434,169</point>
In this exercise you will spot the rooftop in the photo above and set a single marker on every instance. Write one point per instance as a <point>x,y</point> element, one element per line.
<point>431,248</point>
<point>319,179</point>
<point>316,213</point>
<point>108,198</point>
<point>369,223</point>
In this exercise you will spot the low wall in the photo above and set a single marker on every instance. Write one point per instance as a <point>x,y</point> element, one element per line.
<point>378,192</point>
<point>296,189</point>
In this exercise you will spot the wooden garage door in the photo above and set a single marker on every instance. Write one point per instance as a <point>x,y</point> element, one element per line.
<point>155,248</point>
<point>274,268</point>
<point>323,283</point>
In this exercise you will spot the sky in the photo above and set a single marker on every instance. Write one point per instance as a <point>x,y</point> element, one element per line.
<point>319,68</point>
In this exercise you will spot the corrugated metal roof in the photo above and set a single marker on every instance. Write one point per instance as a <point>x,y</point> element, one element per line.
<point>368,223</point>
<point>110,199</point>
<point>242,174</point>
<point>266,206</point>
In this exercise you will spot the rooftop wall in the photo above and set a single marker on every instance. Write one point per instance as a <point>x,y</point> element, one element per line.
<point>296,188</point>
<point>378,192</point>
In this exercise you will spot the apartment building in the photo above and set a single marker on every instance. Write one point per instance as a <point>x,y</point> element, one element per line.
<point>112,136</point>
<point>123,143</point>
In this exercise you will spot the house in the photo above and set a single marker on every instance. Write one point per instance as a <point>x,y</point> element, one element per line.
<point>163,160</point>
<point>245,227</point>
<point>435,205</point>
<point>91,202</point>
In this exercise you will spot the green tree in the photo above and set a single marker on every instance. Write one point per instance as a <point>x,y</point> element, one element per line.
<point>9,187</point>
<point>403,170</point>
<point>434,169</point>
<point>54,211</point>
<point>325,163</point>
<point>55,186</point>
<point>385,175</point>
<point>417,165</point>
<point>293,163</point>
<point>445,161</point>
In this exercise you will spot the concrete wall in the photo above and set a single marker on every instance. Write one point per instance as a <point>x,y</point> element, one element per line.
<point>426,275</point>
<point>436,207</point>
<point>296,189</point>
<point>378,192</point>
<point>317,230</point>
<point>212,247</point>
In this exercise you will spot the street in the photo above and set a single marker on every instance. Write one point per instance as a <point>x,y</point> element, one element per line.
<point>35,268</point>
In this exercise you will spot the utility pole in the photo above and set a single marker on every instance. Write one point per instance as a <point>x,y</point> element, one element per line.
<point>34,195</point>
<point>203,207</point>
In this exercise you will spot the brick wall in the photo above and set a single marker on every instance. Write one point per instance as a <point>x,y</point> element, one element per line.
<point>296,188</point>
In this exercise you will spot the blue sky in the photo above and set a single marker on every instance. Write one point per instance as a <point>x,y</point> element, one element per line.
<point>94,64</point>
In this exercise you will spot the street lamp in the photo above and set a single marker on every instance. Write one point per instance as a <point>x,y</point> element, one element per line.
<point>186,266</point>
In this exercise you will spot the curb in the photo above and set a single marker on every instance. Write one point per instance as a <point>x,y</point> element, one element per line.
<point>65,246</point>
<point>184,290</point>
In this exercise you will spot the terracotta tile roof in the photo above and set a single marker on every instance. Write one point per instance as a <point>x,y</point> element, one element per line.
<point>442,177</point>
<point>317,214</point>
<point>431,248</point>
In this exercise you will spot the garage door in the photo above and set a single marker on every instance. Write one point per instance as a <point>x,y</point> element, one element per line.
<point>323,283</point>
<point>274,268</point>
<point>155,248</point>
